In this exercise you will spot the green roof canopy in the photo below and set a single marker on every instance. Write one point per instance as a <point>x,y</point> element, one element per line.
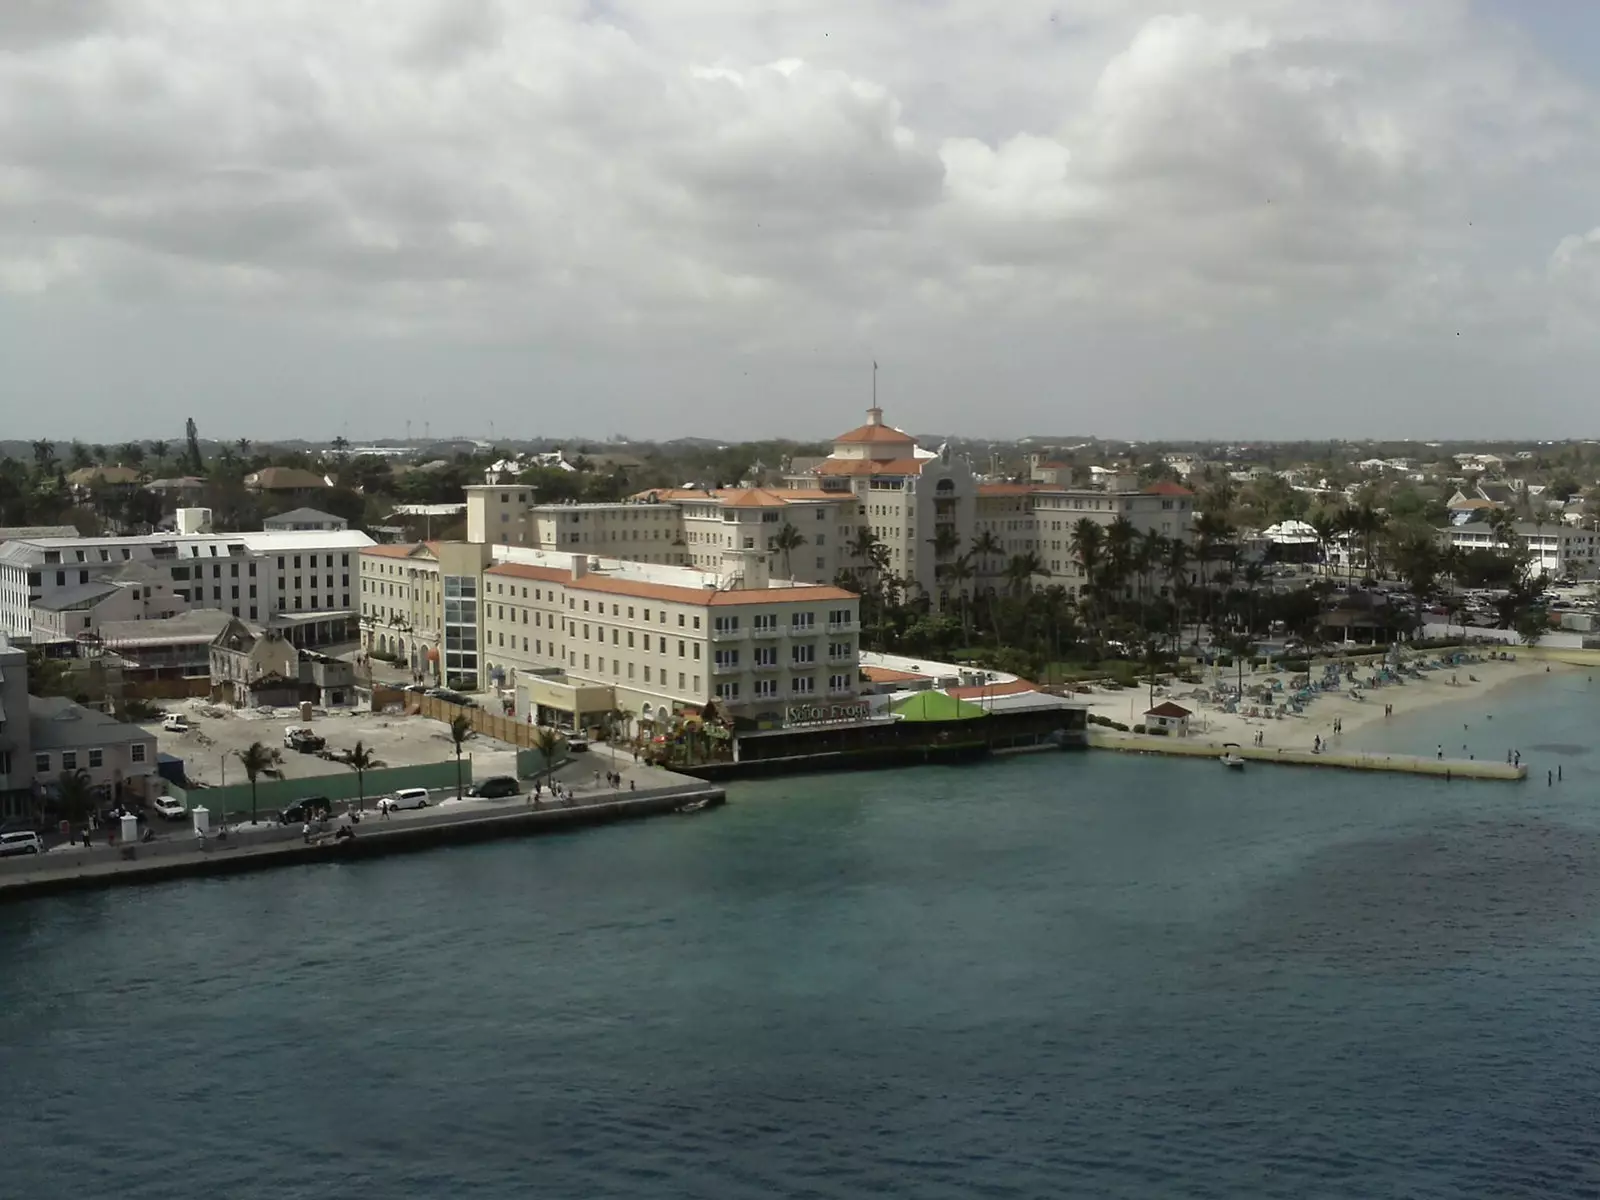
<point>936,706</point>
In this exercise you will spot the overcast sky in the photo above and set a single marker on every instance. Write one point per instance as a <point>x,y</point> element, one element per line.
<point>648,218</point>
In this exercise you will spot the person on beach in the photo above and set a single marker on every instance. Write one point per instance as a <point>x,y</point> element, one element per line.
<point>1441,753</point>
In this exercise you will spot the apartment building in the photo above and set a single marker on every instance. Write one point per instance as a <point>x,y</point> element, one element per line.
<point>690,527</point>
<point>130,592</point>
<point>301,579</point>
<point>665,639</point>
<point>418,605</point>
<point>16,745</point>
<point>920,504</point>
<point>1040,519</point>
<point>1555,549</point>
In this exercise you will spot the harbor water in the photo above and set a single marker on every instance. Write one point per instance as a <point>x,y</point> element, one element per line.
<point>1088,975</point>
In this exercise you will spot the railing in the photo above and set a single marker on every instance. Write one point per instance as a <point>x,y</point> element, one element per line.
<point>726,668</point>
<point>802,630</point>
<point>841,626</point>
<point>774,665</point>
<point>766,631</point>
<point>726,635</point>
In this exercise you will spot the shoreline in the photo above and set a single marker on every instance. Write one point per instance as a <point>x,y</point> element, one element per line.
<point>1212,728</point>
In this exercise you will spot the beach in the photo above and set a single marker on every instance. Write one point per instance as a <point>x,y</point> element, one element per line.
<point>1335,718</point>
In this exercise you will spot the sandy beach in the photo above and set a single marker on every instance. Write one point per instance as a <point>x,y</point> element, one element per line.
<point>1210,724</point>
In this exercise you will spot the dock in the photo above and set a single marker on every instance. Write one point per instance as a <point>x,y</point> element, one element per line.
<point>180,856</point>
<point>1348,760</point>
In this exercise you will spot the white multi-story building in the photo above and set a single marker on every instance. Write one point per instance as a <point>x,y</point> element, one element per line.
<point>1554,549</point>
<point>664,638</point>
<point>689,527</point>
<point>919,504</point>
<point>302,579</point>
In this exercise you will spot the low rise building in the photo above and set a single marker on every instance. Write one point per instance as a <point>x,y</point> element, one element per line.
<point>67,738</point>
<point>299,579</point>
<point>665,640</point>
<point>252,665</point>
<point>16,746</point>
<point>302,519</point>
<point>1555,549</point>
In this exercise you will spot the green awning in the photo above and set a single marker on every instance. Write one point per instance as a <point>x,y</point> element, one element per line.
<point>936,706</point>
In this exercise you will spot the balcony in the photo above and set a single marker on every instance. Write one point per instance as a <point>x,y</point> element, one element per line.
<point>766,632</point>
<point>842,658</point>
<point>726,668</point>
<point>842,691</point>
<point>802,630</point>
<point>762,668</point>
<point>727,635</point>
<point>841,626</point>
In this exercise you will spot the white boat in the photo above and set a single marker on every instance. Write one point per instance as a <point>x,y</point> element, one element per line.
<point>1231,758</point>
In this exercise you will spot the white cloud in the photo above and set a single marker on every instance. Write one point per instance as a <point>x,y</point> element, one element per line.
<point>637,178</point>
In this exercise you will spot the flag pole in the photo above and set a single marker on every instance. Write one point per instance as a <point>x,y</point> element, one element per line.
<point>874,383</point>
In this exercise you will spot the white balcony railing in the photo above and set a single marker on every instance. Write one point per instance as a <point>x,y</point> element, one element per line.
<point>841,626</point>
<point>726,668</point>
<point>726,635</point>
<point>766,631</point>
<point>802,630</point>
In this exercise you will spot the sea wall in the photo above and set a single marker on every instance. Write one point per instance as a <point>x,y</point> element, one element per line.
<point>1352,760</point>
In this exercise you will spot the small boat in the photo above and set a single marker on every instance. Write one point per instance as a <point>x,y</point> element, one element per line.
<point>1231,758</point>
<point>694,806</point>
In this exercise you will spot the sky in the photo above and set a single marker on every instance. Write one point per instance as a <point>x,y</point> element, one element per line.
<point>655,218</point>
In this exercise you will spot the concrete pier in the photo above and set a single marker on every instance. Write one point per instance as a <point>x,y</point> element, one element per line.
<point>253,849</point>
<point>1349,760</point>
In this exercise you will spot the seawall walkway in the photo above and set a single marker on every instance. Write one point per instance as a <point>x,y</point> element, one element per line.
<point>181,856</point>
<point>1349,760</point>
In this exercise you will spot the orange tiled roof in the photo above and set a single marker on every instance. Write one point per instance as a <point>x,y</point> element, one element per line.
<point>1167,488</point>
<point>871,466</point>
<point>879,435</point>
<point>1015,688</point>
<point>670,593</point>
<point>763,497</point>
<point>405,551</point>
<point>889,675</point>
<point>1007,489</point>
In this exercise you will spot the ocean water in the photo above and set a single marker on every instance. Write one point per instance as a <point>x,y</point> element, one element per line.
<point>1065,975</point>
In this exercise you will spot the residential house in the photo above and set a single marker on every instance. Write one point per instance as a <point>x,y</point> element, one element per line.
<point>304,518</point>
<point>252,665</point>
<point>292,483</point>
<point>1168,718</point>
<point>88,480</point>
<point>66,737</point>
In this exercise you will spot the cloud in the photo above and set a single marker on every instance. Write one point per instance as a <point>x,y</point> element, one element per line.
<point>637,179</point>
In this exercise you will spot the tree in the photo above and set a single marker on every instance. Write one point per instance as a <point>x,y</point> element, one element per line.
<point>75,795</point>
<point>160,449</point>
<point>548,743</point>
<point>460,731</point>
<point>191,435</point>
<point>786,541</point>
<point>45,463</point>
<point>259,760</point>
<point>360,759</point>
<point>341,448</point>
<point>132,454</point>
<point>244,447</point>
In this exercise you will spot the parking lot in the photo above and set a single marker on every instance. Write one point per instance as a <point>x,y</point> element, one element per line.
<point>210,749</point>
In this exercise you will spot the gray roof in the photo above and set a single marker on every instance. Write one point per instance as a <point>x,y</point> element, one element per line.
<point>9,532</point>
<point>301,516</point>
<point>57,723</point>
<point>134,570</point>
<point>201,625</point>
<point>72,597</point>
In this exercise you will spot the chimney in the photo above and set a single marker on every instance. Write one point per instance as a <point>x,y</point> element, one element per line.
<point>580,566</point>
<point>874,415</point>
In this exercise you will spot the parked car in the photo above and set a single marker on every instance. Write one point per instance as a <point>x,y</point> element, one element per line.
<point>21,842</point>
<point>577,743</point>
<point>496,787</point>
<point>176,723</point>
<point>172,810</point>
<point>307,809</point>
<point>302,739</point>
<point>404,798</point>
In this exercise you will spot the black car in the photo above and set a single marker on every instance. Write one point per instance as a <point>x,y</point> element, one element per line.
<point>307,809</point>
<point>495,787</point>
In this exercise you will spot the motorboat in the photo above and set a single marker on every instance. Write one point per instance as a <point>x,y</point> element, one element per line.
<point>1231,758</point>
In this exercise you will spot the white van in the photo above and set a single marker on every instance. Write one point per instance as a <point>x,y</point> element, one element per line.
<point>405,798</point>
<point>20,843</point>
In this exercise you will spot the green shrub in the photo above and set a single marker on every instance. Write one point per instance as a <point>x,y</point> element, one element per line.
<point>1225,661</point>
<point>1296,666</point>
<point>1138,729</point>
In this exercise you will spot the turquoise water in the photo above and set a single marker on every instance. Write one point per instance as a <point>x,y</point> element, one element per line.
<point>1089,975</point>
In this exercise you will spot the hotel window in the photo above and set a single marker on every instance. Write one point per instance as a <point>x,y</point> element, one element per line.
<point>97,759</point>
<point>802,685</point>
<point>766,688</point>
<point>728,691</point>
<point>69,760</point>
<point>803,654</point>
<point>838,683</point>
<point>41,764</point>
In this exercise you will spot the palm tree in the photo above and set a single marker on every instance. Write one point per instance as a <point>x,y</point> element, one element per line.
<point>460,731</point>
<point>960,573</point>
<point>44,458</point>
<point>1176,566</point>
<point>787,540</point>
<point>547,742</point>
<point>132,454</point>
<point>159,449</point>
<point>1020,570</point>
<point>75,795</point>
<point>1326,527</point>
<point>244,448</point>
<point>360,759</point>
<point>259,760</point>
